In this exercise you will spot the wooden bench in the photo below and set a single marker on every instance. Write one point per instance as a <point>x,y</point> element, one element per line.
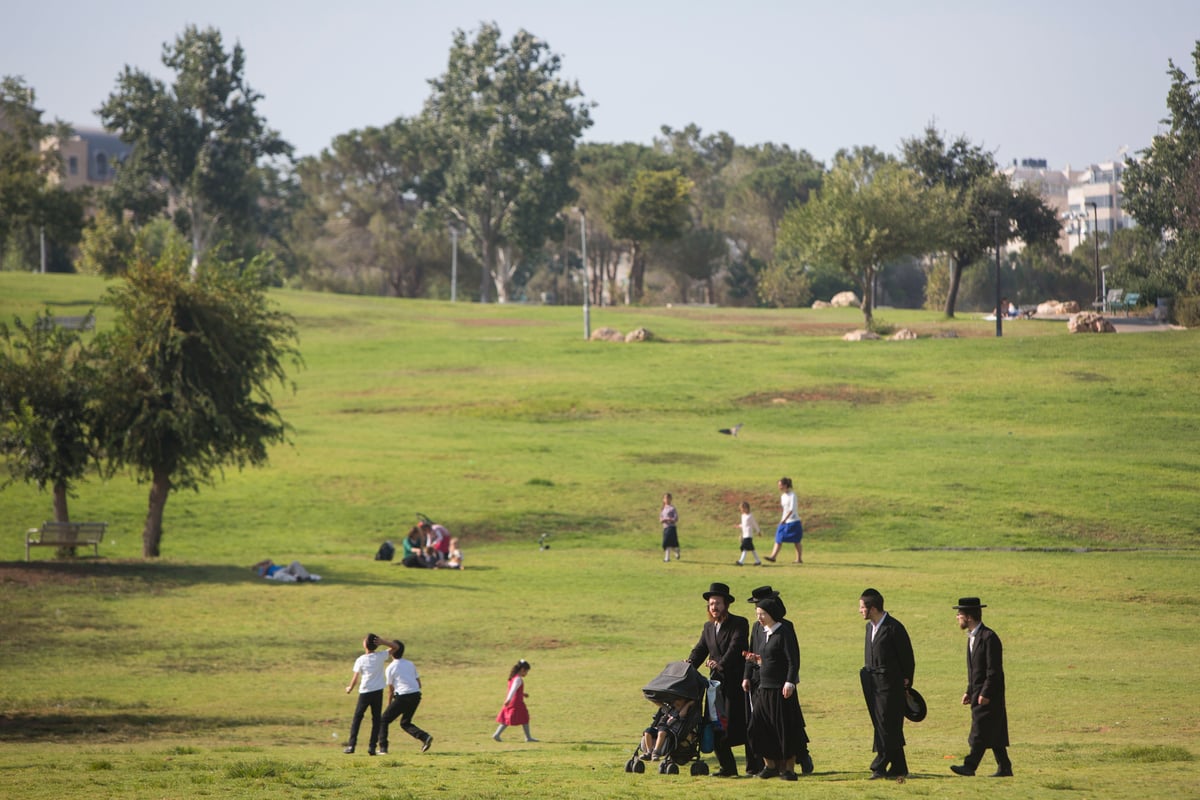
<point>66,534</point>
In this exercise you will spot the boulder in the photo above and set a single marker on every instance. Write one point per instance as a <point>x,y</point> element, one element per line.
<point>844,300</point>
<point>607,335</point>
<point>1056,308</point>
<point>1089,322</point>
<point>821,304</point>
<point>903,335</point>
<point>639,335</point>
<point>860,336</point>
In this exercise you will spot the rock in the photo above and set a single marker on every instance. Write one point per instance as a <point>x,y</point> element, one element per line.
<point>902,335</point>
<point>821,304</point>
<point>1056,308</point>
<point>1089,322</point>
<point>607,335</point>
<point>860,336</point>
<point>639,335</point>
<point>845,300</point>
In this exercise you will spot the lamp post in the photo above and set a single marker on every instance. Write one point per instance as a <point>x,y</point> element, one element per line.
<point>453,262</point>
<point>995,215</point>
<point>587,290</point>
<point>1099,304</point>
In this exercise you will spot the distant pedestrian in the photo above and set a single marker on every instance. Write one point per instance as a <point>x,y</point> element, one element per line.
<point>985,691</point>
<point>669,518</point>
<point>403,697</point>
<point>514,711</point>
<point>369,677</point>
<point>748,528</point>
<point>790,528</point>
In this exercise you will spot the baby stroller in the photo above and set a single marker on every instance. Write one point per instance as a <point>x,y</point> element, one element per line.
<point>679,692</point>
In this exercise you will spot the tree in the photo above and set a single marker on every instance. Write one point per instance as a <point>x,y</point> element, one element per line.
<point>769,179</point>
<point>32,203</point>
<point>867,213</point>
<point>196,144</point>
<point>508,127</point>
<point>45,378</point>
<point>190,364</point>
<point>1162,189</point>
<point>653,207</point>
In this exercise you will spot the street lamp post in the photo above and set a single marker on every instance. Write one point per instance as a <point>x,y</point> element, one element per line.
<point>995,215</point>
<point>453,263</point>
<point>1099,304</point>
<point>587,290</point>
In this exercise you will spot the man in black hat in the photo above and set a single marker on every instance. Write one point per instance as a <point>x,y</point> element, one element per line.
<point>985,691</point>
<point>722,642</point>
<point>888,667</point>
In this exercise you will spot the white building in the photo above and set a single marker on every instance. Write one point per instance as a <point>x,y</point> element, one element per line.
<point>1083,199</point>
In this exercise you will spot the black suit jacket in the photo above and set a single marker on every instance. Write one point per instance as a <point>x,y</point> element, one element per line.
<point>725,646</point>
<point>985,676</point>
<point>888,661</point>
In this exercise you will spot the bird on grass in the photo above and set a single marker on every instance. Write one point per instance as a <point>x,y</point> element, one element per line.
<point>731,431</point>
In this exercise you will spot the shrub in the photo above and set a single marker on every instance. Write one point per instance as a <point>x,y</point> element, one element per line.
<point>1185,311</point>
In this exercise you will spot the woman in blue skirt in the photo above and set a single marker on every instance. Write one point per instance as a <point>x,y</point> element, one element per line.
<point>790,528</point>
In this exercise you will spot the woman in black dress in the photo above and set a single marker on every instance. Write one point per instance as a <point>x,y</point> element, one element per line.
<point>776,729</point>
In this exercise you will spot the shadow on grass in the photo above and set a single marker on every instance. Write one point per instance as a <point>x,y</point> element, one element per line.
<point>118,727</point>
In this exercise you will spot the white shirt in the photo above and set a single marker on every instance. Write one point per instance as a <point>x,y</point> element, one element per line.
<point>402,676</point>
<point>875,625</point>
<point>370,669</point>
<point>749,526</point>
<point>788,502</point>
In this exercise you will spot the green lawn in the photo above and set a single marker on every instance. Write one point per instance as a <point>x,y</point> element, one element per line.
<point>1054,475</point>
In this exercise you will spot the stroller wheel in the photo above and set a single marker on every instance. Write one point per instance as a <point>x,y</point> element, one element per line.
<point>699,768</point>
<point>672,769</point>
<point>639,766</point>
<point>629,765</point>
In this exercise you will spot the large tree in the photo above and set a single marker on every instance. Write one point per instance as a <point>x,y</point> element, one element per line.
<point>33,202</point>
<point>45,387</point>
<point>190,366</point>
<point>197,144</point>
<point>508,125</point>
<point>869,211</point>
<point>1162,189</point>
<point>651,208</point>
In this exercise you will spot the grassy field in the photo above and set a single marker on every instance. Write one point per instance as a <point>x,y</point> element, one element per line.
<point>1053,475</point>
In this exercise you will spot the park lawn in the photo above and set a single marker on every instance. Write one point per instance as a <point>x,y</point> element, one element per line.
<point>1053,475</point>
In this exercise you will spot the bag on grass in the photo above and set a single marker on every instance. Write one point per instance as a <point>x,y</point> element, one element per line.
<point>385,552</point>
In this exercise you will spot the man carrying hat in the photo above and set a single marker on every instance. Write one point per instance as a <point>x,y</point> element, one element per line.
<point>722,642</point>
<point>985,691</point>
<point>888,667</point>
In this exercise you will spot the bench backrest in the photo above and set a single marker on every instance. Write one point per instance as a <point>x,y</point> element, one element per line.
<point>77,531</point>
<point>1115,295</point>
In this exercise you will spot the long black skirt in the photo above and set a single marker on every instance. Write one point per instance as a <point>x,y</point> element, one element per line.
<point>776,729</point>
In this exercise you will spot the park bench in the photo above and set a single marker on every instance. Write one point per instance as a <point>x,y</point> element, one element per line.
<point>85,323</point>
<point>65,534</point>
<point>1128,302</point>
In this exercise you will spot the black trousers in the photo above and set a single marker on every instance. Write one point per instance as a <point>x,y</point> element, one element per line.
<point>373,701</point>
<point>402,706</point>
<point>976,755</point>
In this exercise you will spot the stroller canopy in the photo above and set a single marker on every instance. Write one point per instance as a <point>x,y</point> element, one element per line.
<point>678,679</point>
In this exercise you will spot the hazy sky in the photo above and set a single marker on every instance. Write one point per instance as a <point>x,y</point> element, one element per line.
<point>1071,82</point>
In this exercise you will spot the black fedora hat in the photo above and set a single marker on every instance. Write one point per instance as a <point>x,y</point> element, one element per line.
<point>914,705</point>
<point>969,602</point>
<point>761,593</point>
<point>720,589</point>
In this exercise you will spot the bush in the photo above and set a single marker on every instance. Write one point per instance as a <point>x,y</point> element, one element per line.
<point>1185,311</point>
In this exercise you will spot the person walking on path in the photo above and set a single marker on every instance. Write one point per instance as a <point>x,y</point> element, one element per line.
<point>722,647</point>
<point>669,518</point>
<point>985,691</point>
<point>790,528</point>
<point>369,677</point>
<point>514,711</point>
<point>888,667</point>
<point>403,697</point>
<point>748,528</point>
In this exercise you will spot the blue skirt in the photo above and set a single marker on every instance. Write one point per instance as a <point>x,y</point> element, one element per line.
<point>789,532</point>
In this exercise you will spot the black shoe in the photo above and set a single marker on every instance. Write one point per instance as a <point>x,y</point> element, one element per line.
<point>1002,773</point>
<point>382,751</point>
<point>877,776</point>
<point>966,772</point>
<point>426,743</point>
<point>806,765</point>
<point>349,749</point>
<point>788,776</point>
<point>370,752</point>
<point>725,774</point>
<point>768,772</point>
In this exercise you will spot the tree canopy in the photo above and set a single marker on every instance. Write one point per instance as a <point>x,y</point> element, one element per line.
<point>196,144</point>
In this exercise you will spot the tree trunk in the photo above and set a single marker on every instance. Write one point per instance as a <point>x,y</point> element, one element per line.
<point>502,273</point>
<point>61,515</point>
<point>955,279</point>
<point>637,275</point>
<point>868,302</point>
<point>160,487</point>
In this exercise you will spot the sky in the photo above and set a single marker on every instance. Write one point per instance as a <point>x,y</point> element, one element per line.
<point>1069,82</point>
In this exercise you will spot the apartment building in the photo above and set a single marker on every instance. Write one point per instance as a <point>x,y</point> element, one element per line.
<point>1083,199</point>
<point>90,156</point>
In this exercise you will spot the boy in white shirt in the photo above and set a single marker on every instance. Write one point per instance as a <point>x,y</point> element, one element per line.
<point>403,696</point>
<point>748,527</point>
<point>369,676</point>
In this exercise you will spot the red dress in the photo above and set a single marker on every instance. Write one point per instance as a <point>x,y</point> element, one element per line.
<point>514,711</point>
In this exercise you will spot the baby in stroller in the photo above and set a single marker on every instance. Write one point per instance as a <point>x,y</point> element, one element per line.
<point>673,737</point>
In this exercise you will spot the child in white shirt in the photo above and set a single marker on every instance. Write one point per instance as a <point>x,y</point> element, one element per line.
<point>748,527</point>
